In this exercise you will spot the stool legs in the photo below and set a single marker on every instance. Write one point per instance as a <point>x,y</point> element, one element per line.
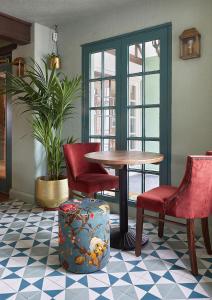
<point>139,230</point>
<point>206,235</point>
<point>161,225</point>
<point>191,246</point>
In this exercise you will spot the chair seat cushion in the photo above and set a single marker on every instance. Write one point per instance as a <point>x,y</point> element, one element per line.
<point>156,199</point>
<point>94,182</point>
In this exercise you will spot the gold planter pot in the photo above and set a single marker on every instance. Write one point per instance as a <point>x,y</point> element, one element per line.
<point>51,193</point>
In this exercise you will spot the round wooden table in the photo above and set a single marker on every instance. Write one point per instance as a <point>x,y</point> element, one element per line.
<point>122,237</point>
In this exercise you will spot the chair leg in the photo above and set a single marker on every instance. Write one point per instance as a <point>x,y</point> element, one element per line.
<point>76,194</point>
<point>206,236</point>
<point>91,195</point>
<point>191,246</point>
<point>139,230</point>
<point>71,194</point>
<point>161,225</point>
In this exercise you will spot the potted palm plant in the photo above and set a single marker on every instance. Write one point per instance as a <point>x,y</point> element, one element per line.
<point>49,96</point>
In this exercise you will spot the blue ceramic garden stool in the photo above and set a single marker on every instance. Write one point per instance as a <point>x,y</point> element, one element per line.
<point>84,235</point>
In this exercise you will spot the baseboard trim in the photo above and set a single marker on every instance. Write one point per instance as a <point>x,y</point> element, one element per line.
<point>15,194</point>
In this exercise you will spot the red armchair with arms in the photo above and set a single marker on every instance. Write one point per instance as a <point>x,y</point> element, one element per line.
<point>84,176</point>
<point>191,200</point>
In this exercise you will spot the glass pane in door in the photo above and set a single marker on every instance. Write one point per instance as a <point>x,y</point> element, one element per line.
<point>135,91</point>
<point>135,122</point>
<point>95,122</point>
<point>109,122</point>
<point>135,58</point>
<point>152,146</point>
<point>152,122</point>
<point>151,181</point>
<point>135,185</point>
<point>2,130</point>
<point>110,62</point>
<point>96,65</point>
<point>152,55</point>
<point>152,89</point>
<point>95,93</point>
<point>109,87</point>
<point>109,144</point>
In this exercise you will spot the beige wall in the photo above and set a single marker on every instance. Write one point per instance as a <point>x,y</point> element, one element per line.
<point>191,79</point>
<point>42,47</point>
<point>27,154</point>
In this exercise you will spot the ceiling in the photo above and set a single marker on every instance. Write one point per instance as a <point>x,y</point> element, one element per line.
<point>49,12</point>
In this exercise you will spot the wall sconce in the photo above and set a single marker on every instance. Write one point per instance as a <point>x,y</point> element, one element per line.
<point>190,44</point>
<point>19,62</point>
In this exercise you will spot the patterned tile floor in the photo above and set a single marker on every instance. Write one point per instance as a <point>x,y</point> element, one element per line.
<point>29,266</point>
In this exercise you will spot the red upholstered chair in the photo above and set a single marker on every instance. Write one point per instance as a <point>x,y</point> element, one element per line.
<point>191,200</point>
<point>84,176</point>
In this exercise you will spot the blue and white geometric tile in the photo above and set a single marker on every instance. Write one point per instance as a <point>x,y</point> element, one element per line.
<point>30,269</point>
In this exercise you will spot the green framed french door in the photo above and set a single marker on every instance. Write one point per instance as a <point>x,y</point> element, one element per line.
<point>127,100</point>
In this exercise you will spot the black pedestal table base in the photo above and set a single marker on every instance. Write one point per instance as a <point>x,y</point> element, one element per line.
<point>125,241</point>
<point>124,237</point>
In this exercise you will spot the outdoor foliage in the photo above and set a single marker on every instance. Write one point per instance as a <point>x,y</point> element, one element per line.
<point>50,97</point>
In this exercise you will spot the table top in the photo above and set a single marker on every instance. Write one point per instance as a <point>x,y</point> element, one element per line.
<point>124,157</point>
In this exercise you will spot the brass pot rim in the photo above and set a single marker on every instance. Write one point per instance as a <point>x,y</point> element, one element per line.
<point>45,178</point>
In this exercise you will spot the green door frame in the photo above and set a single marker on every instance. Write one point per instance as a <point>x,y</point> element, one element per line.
<point>164,34</point>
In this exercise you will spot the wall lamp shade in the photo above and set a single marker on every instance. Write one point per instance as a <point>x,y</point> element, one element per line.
<point>190,44</point>
<point>19,63</point>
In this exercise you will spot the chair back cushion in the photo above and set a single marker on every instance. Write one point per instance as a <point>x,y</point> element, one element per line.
<point>76,163</point>
<point>193,198</point>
